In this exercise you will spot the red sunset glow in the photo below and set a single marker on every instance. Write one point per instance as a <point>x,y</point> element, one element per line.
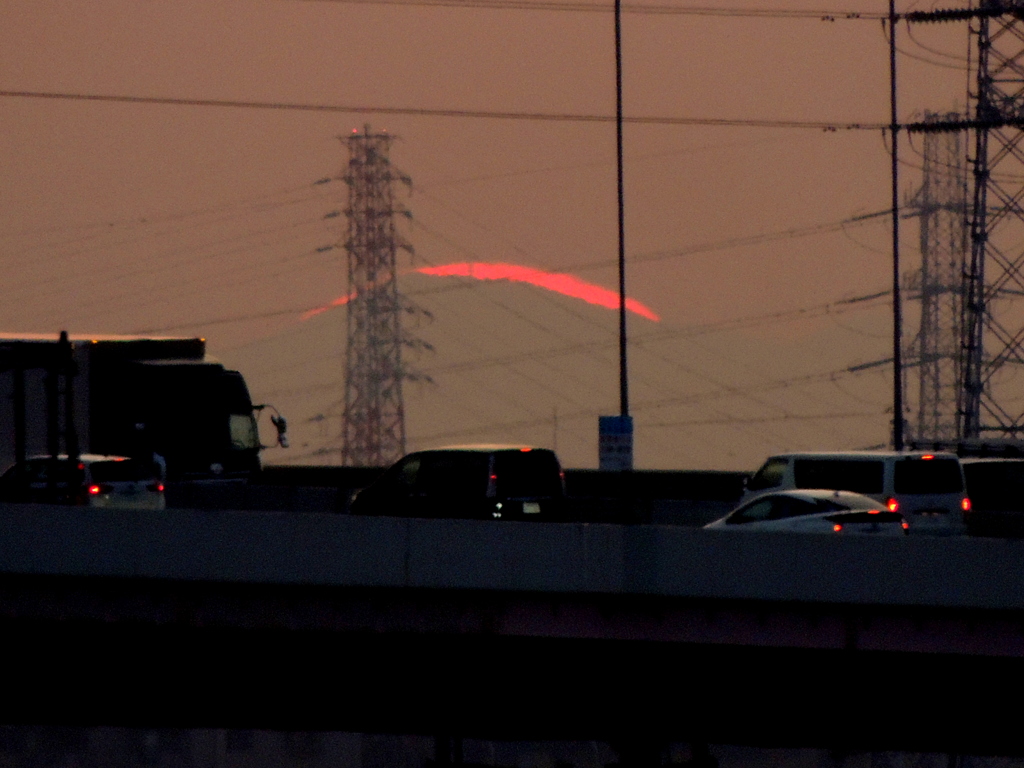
<point>567,285</point>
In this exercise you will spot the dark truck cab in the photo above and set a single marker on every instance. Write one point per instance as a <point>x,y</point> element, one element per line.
<point>127,396</point>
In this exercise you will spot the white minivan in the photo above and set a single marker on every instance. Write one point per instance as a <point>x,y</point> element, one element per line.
<point>927,488</point>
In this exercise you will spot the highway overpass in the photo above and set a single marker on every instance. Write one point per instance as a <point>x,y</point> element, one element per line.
<point>510,630</point>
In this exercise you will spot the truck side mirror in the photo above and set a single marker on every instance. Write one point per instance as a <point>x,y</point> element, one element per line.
<point>281,425</point>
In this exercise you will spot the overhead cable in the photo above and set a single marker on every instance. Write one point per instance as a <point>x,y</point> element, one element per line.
<point>463,113</point>
<point>632,8</point>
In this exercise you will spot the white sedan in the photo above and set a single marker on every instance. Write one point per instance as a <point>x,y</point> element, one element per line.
<point>813,511</point>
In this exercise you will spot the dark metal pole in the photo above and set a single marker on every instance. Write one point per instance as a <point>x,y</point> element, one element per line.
<point>53,371</point>
<point>20,450</point>
<point>623,377</point>
<point>897,318</point>
<point>70,430</point>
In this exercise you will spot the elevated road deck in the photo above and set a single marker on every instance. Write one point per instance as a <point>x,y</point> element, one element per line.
<point>310,621</point>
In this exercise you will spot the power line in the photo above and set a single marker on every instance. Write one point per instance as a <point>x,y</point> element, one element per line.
<point>690,400</point>
<point>632,8</point>
<point>566,117</point>
<point>744,420</point>
<point>841,306</point>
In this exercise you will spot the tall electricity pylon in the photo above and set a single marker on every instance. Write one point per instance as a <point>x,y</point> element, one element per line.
<point>941,207</point>
<point>373,428</point>
<point>992,340</point>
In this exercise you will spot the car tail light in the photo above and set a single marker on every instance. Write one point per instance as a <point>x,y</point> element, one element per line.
<point>96,490</point>
<point>157,487</point>
<point>837,527</point>
<point>874,511</point>
<point>892,505</point>
<point>965,505</point>
<point>906,525</point>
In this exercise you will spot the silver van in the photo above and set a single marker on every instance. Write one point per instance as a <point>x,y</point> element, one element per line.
<point>927,488</point>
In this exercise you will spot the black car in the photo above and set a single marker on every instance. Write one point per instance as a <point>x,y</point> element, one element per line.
<point>482,482</point>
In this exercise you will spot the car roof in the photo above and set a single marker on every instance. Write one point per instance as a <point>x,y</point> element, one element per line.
<point>863,454</point>
<point>86,458</point>
<point>992,460</point>
<point>483,448</point>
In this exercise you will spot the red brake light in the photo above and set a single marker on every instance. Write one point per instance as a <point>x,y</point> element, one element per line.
<point>966,504</point>
<point>927,456</point>
<point>95,490</point>
<point>525,450</point>
<point>158,487</point>
<point>874,511</point>
<point>837,527</point>
<point>892,505</point>
<point>906,526</point>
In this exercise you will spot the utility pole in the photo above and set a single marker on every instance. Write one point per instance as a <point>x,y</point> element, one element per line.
<point>897,304</point>
<point>991,341</point>
<point>373,429</point>
<point>993,326</point>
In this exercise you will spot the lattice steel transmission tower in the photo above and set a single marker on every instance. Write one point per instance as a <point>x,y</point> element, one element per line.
<point>993,327</point>
<point>941,207</point>
<point>373,428</point>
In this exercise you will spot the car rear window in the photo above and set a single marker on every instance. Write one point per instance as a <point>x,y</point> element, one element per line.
<point>127,470</point>
<point>780,507</point>
<point>527,474</point>
<point>928,476</point>
<point>857,475</point>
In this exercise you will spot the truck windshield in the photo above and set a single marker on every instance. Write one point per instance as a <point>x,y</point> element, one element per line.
<point>244,434</point>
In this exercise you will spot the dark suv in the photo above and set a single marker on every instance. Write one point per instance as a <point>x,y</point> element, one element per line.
<point>996,486</point>
<point>482,482</point>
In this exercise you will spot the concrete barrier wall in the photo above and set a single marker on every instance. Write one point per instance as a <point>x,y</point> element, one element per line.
<point>324,549</point>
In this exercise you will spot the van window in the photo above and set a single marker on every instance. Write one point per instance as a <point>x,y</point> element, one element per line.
<point>997,485</point>
<point>405,475</point>
<point>928,476</point>
<point>453,474</point>
<point>857,475</point>
<point>768,476</point>
<point>527,474</point>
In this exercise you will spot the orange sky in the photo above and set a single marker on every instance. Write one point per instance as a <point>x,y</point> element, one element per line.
<point>204,220</point>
